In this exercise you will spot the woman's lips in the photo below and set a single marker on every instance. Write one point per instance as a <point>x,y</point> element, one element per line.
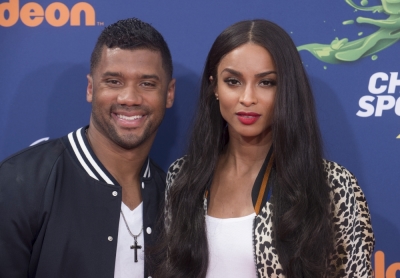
<point>248,118</point>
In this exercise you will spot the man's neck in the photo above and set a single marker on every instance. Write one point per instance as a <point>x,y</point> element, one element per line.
<point>124,165</point>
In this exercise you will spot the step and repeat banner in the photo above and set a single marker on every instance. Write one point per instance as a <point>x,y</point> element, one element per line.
<point>350,49</point>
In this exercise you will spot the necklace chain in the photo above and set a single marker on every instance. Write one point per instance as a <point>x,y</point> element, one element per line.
<point>129,230</point>
<point>123,216</point>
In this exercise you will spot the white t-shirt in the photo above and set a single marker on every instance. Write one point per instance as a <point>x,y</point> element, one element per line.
<point>125,266</point>
<point>230,245</point>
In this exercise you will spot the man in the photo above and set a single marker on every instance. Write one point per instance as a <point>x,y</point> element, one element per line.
<point>86,205</point>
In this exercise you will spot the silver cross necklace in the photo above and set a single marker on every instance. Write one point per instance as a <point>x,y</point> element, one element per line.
<point>135,245</point>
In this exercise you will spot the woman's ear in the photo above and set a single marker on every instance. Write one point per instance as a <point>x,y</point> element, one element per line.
<point>215,87</point>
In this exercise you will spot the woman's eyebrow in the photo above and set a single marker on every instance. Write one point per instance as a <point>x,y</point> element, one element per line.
<point>263,74</point>
<point>231,71</point>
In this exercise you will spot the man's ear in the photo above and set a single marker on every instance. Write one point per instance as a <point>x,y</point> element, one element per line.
<point>89,90</point>
<point>170,93</point>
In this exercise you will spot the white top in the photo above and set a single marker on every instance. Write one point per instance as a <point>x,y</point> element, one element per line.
<point>230,245</point>
<point>125,265</point>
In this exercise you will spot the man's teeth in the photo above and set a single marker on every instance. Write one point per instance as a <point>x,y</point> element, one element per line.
<point>131,118</point>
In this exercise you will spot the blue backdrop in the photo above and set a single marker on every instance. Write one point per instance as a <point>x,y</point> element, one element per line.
<point>352,64</point>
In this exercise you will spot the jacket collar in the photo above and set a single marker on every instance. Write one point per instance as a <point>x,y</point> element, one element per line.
<point>81,150</point>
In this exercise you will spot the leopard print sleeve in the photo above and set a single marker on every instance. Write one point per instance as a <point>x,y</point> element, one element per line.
<point>354,238</point>
<point>173,171</point>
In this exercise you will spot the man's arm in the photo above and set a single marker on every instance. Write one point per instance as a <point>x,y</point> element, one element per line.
<point>16,237</point>
<point>26,195</point>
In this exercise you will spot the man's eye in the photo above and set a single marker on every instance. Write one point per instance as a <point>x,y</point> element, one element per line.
<point>148,84</point>
<point>112,82</point>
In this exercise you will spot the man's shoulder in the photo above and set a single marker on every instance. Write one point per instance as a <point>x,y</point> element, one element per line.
<point>42,152</point>
<point>157,172</point>
<point>156,167</point>
<point>30,169</point>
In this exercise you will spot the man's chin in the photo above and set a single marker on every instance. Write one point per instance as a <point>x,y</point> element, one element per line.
<point>128,144</point>
<point>130,138</point>
<point>130,141</point>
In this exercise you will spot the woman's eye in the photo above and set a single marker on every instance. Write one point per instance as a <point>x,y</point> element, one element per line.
<point>268,83</point>
<point>232,81</point>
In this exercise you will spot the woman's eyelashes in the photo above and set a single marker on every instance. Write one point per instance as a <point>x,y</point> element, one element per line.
<point>268,82</point>
<point>232,81</point>
<point>264,82</point>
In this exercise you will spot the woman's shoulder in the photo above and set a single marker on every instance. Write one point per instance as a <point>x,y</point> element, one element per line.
<point>336,172</point>
<point>346,194</point>
<point>343,183</point>
<point>176,165</point>
<point>174,169</point>
<point>339,178</point>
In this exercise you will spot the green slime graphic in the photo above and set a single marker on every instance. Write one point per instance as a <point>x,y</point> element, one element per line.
<point>348,22</point>
<point>348,51</point>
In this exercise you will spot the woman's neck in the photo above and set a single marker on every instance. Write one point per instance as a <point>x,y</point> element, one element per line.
<point>234,176</point>
<point>247,151</point>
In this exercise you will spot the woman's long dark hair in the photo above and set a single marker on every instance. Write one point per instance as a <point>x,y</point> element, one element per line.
<point>301,202</point>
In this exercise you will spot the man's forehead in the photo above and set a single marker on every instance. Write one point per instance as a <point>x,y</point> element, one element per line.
<point>108,51</point>
<point>138,61</point>
<point>139,56</point>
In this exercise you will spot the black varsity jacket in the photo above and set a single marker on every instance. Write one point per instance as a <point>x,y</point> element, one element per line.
<point>60,211</point>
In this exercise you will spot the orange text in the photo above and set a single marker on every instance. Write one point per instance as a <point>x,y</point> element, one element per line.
<point>56,14</point>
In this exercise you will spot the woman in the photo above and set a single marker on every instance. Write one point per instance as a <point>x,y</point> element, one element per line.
<point>253,197</point>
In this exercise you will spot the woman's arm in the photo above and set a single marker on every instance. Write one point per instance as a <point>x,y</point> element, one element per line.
<point>354,238</point>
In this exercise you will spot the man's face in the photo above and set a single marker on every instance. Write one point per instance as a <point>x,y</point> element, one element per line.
<point>129,91</point>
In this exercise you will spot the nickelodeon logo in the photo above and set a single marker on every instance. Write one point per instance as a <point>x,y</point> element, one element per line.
<point>380,271</point>
<point>56,14</point>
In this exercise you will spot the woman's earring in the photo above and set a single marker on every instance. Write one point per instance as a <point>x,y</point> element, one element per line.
<point>216,96</point>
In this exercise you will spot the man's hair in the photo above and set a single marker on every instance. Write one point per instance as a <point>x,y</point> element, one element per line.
<point>132,33</point>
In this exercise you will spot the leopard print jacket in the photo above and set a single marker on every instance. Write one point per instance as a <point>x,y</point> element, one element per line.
<point>354,237</point>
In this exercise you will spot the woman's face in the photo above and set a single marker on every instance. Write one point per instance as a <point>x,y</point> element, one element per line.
<point>246,91</point>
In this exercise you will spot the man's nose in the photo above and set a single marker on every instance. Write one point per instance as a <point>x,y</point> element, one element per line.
<point>130,96</point>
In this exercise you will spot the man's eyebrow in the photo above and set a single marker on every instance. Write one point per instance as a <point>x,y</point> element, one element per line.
<point>150,76</point>
<point>112,73</point>
<point>119,74</point>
